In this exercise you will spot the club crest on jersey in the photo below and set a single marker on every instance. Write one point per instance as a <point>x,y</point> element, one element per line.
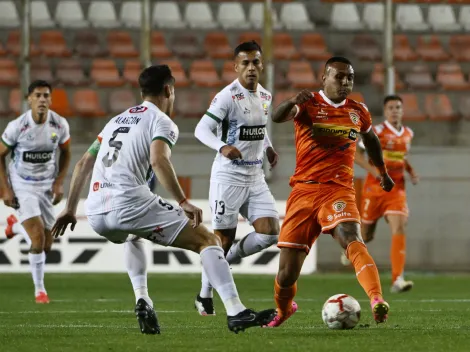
<point>138,109</point>
<point>54,137</point>
<point>265,108</point>
<point>339,206</point>
<point>354,117</point>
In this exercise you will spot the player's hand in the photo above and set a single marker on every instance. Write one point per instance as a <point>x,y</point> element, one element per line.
<point>414,179</point>
<point>273,157</point>
<point>192,212</point>
<point>63,220</point>
<point>302,97</point>
<point>9,198</point>
<point>57,191</point>
<point>386,183</point>
<point>230,152</point>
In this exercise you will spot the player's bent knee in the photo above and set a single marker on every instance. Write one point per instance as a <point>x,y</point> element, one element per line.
<point>286,277</point>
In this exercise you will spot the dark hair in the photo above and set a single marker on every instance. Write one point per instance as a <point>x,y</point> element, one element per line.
<point>392,98</point>
<point>38,84</point>
<point>247,46</point>
<point>335,59</point>
<point>153,79</point>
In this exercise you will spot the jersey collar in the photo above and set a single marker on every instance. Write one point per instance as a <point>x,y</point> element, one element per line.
<point>246,90</point>
<point>150,105</point>
<point>29,114</point>
<point>325,98</point>
<point>394,130</point>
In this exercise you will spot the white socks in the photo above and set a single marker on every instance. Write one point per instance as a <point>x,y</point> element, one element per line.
<point>206,287</point>
<point>19,230</point>
<point>136,264</point>
<point>219,275</point>
<point>37,263</point>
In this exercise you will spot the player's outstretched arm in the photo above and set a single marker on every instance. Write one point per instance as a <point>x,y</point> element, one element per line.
<point>287,110</point>
<point>204,132</point>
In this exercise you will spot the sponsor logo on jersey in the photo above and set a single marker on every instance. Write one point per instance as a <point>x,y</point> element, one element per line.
<point>246,111</point>
<point>214,101</point>
<point>322,114</point>
<point>339,206</point>
<point>252,133</point>
<point>37,157</point>
<point>29,137</point>
<point>337,215</point>
<point>246,162</point>
<point>238,96</point>
<point>25,127</point>
<point>172,136</point>
<point>354,117</point>
<point>264,96</point>
<point>323,130</point>
<point>97,185</point>
<point>54,137</point>
<point>54,124</point>
<point>138,109</point>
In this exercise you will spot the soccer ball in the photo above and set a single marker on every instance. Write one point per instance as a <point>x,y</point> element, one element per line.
<point>341,312</point>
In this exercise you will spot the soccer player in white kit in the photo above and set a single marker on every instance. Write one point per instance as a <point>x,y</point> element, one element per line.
<point>34,183</point>
<point>120,203</point>
<point>239,113</point>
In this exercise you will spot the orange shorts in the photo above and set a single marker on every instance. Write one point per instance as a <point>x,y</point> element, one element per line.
<point>376,204</point>
<point>313,209</point>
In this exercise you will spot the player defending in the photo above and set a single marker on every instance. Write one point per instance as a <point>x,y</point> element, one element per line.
<point>395,140</point>
<point>327,125</point>
<point>33,185</point>
<point>119,201</point>
<point>237,186</point>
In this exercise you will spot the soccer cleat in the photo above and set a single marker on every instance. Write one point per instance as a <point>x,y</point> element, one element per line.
<point>401,285</point>
<point>146,317</point>
<point>204,306</point>
<point>344,259</point>
<point>249,318</point>
<point>42,298</point>
<point>11,220</point>
<point>380,309</point>
<point>278,320</point>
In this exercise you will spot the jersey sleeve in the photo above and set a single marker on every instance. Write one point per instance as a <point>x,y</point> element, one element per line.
<point>65,135</point>
<point>95,147</point>
<point>10,135</point>
<point>165,130</point>
<point>366,119</point>
<point>220,106</point>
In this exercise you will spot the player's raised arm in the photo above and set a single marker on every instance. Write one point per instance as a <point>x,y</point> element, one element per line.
<point>288,109</point>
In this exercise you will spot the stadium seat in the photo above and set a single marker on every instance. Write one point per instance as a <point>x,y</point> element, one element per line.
<point>60,102</point>
<point>378,77</point>
<point>87,44</point>
<point>86,103</point>
<point>313,47</point>
<point>228,73</point>
<point>13,45</point>
<point>186,45</point>
<point>283,95</point>
<point>15,100</point>
<point>365,47</point>
<point>256,16</point>
<point>412,111</point>
<point>464,17</point>
<point>40,15</point>
<point>464,106</point>
<point>374,16</point>
<point>402,50</point>
<point>249,36</point>
<point>191,103</point>
<point>52,44</point>
<point>294,16</point>
<point>8,14</point>
<point>459,47</point>
<point>132,69</point>
<point>301,75</point>
<point>166,14</point>
<point>102,14</point>
<point>429,48</point>
<point>41,69</point>
<point>199,15</point>
<point>410,18</point>
<point>70,73</point>
<point>280,79</point>
<point>283,47</point>
<point>131,14</point>
<point>120,44</point>
<point>442,18</point>
<point>3,51</point>
<point>345,17</point>
<point>420,78</point>
<point>217,45</point>
<point>450,77</point>
<point>181,80</point>
<point>120,100</point>
<point>105,73</point>
<point>231,16</point>
<point>69,14</point>
<point>439,108</point>
<point>4,108</point>
<point>203,74</point>
<point>9,74</point>
<point>158,46</point>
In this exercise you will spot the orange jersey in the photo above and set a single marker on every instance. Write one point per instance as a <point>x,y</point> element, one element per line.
<point>325,139</point>
<point>395,145</point>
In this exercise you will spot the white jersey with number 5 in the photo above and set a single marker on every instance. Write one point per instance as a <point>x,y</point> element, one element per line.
<point>122,165</point>
<point>242,116</point>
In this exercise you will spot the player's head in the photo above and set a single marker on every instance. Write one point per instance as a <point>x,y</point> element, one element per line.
<point>393,109</point>
<point>39,98</point>
<point>248,63</point>
<point>338,78</point>
<point>158,85</point>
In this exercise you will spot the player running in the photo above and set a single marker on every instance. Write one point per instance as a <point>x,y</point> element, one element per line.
<point>327,125</point>
<point>33,183</point>
<point>395,139</point>
<point>119,202</point>
<point>239,113</point>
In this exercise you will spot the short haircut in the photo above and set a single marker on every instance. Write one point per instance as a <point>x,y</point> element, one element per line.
<point>246,47</point>
<point>39,83</point>
<point>153,79</point>
<point>392,98</point>
<point>335,59</point>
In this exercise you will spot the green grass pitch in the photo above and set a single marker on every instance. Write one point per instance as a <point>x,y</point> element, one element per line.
<point>95,313</point>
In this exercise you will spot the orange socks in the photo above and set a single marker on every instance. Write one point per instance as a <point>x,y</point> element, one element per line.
<point>366,270</point>
<point>283,297</point>
<point>397,255</point>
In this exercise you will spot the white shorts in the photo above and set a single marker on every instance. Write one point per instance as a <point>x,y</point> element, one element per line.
<point>36,203</point>
<point>157,221</point>
<point>251,202</point>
